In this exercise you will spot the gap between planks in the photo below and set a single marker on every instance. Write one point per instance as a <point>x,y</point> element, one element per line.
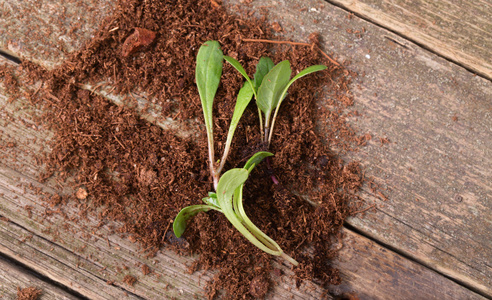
<point>413,259</point>
<point>23,276</point>
<point>424,44</point>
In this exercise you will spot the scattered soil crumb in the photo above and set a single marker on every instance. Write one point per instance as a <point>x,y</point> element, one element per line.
<point>146,270</point>
<point>384,141</point>
<point>28,293</point>
<point>81,194</point>
<point>276,26</point>
<point>258,287</point>
<point>130,280</point>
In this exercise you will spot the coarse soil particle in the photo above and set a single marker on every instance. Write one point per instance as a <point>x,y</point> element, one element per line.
<point>130,280</point>
<point>28,293</point>
<point>141,175</point>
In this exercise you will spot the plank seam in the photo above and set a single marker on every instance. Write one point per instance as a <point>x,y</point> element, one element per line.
<point>10,56</point>
<point>417,43</point>
<point>413,259</point>
<point>46,278</point>
<point>26,269</point>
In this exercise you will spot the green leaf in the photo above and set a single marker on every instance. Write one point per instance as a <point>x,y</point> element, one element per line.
<point>179,224</point>
<point>262,68</point>
<point>238,67</point>
<point>211,199</point>
<point>272,86</point>
<point>303,73</point>
<point>231,184</point>
<point>250,164</point>
<point>228,183</point>
<point>208,70</point>
<point>256,159</point>
<point>243,98</point>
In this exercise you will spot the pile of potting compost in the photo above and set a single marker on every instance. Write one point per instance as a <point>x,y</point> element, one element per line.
<point>130,170</point>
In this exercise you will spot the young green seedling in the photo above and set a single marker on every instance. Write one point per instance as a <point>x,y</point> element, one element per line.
<point>208,71</point>
<point>229,187</point>
<point>270,87</point>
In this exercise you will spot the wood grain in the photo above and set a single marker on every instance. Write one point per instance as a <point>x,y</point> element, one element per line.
<point>389,276</point>
<point>45,31</point>
<point>460,31</point>
<point>13,277</point>
<point>85,256</point>
<point>436,168</point>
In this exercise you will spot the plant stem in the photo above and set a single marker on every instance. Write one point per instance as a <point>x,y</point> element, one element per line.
<point>267,130</point>
<point>261,123</point>
<point>289,259</point>
<point>211,159</point>
<point>271,171</point>
<point>223,160</point>
<point>271,127</point>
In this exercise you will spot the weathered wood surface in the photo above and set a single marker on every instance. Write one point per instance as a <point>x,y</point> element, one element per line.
<point>45,31</point>
<point>436,170</point>
<point>13,277</point>
<point>84,257</point>
<point>458,30</point>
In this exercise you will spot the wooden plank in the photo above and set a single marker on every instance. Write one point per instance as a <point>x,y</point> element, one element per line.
<point>437,168</point>
<point>13,277</point>
<point>374,272</point>
<point>404,88</point>
<point>84,256</point>
<point>45,31</point>
<point>362,263</point>
<point>459,31</point>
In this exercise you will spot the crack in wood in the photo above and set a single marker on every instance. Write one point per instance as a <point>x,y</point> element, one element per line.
<point>413,258</point>
<point>42,277</point>
<point>396,42</point>
<point>9,56</point>
<point>48,279</point>
<point>410,39</point>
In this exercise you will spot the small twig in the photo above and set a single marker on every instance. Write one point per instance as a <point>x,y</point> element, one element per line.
<point>37,90</point>
<point>293,44</point>
<point>276,42</point>
<point>167,228</point>
<point>364,210</point>
<point>119,142</point>
<point>97,86</point>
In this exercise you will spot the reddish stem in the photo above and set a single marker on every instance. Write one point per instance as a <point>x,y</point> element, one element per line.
<point>271,171</point>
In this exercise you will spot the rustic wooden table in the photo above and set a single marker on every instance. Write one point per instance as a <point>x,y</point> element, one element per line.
<point>425,85</point>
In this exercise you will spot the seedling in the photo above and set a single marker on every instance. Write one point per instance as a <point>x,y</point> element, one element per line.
<point>269,86</point>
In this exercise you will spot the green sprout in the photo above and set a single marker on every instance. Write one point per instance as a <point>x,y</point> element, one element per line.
<point>270,84</point>
<point>269,87</point>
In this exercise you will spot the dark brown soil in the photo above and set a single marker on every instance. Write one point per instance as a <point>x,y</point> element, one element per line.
<point>142,175</point>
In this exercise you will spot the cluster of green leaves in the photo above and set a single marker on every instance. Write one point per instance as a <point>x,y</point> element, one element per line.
<point>270,84</point>
<point>269,87</point>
